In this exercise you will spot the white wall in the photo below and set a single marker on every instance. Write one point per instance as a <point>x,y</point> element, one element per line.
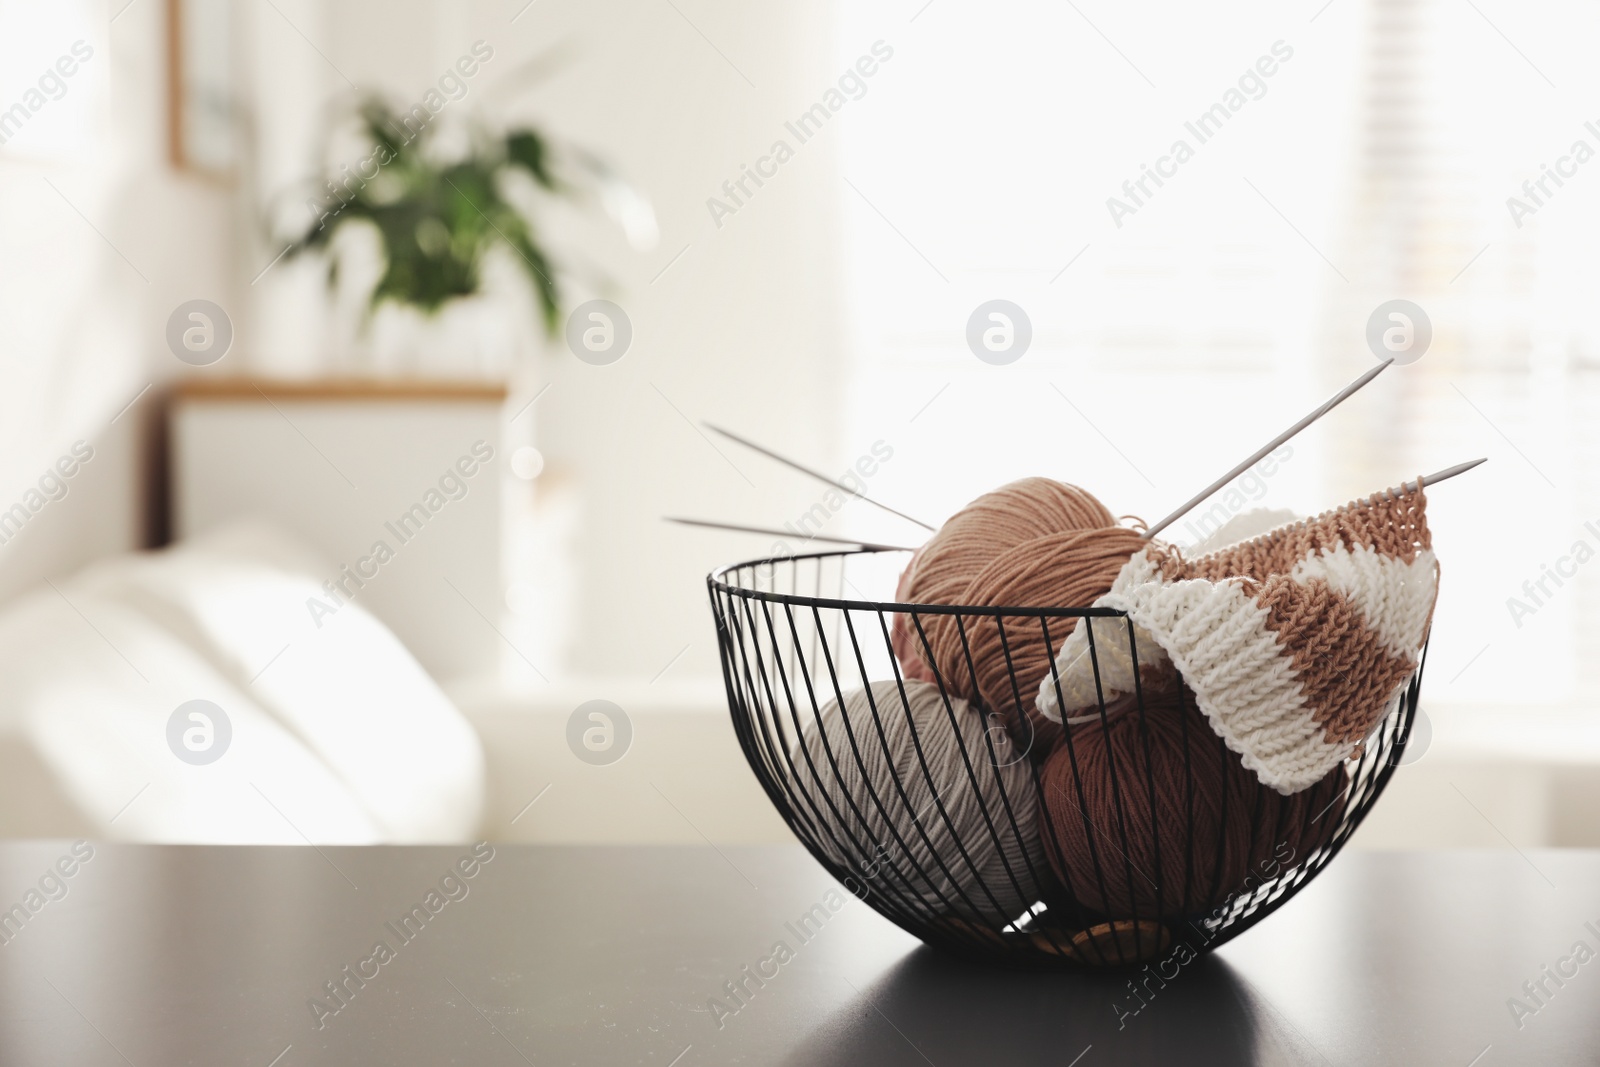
<point>91,269</point>
<point>742,329</point>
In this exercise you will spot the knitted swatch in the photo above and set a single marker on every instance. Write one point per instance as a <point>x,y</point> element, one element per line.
<point>1295,643</point>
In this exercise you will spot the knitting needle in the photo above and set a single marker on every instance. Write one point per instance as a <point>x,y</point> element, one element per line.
<point>1328,405</point>
<point>818,475</point>
<point>1439,476</point>
<point>785,533</point>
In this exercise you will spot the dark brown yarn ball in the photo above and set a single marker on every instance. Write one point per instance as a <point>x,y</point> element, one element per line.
<point>1215,831</point>
<point>1032,543</point>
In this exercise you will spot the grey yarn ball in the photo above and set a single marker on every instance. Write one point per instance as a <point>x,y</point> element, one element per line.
<point>977,858</point>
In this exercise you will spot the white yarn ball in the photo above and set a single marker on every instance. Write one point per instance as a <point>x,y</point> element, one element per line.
<point>925,863</point>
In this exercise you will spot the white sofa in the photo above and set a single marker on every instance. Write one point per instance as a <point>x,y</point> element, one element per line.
<point>337,734</point>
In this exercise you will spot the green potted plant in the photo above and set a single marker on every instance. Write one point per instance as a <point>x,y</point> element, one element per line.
<point>438,218</point>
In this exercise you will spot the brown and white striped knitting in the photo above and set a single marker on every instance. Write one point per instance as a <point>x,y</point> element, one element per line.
<point>1295,643</point>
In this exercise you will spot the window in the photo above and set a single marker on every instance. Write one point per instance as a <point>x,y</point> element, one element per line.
<point>1336,157</point>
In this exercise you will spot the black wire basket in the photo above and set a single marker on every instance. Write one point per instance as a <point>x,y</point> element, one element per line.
<point>795,650</point>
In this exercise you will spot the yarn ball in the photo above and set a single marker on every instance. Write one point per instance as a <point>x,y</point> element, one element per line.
<point>903,636</point>
<point>1214,832</point>
<point>890,797</point>
<point>1032,543</point>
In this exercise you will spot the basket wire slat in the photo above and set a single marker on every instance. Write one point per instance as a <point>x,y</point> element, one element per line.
<point>788,657</point>
<point>1097,842</point>
<point>905,801</point>
<point>1037,876</point>
<point>972,781</point>
<point>856,844</point>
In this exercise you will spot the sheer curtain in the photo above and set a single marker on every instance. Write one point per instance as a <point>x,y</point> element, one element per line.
<point>1340,155</point>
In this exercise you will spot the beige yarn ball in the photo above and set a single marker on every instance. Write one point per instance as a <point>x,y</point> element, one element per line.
<point>958,835</point>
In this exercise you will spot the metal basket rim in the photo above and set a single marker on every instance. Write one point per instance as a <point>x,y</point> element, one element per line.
<point>716,581</point>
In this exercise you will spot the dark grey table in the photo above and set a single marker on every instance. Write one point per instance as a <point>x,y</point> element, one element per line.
<point>164,956</point>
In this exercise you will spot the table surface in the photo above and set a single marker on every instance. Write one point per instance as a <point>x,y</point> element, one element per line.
<point>163,956</point>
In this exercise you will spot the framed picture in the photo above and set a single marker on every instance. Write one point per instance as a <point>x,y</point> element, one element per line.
<point>202,101</point>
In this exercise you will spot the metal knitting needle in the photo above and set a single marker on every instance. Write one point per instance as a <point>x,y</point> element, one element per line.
<point>818,475</point>
<point>785,533</point>
<point>1439,476</point>
<point>1328,405</point>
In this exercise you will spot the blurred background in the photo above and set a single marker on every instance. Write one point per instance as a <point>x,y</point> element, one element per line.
<point>287,280</point>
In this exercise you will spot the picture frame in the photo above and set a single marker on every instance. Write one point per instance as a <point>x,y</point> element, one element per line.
<point>202,101</point>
